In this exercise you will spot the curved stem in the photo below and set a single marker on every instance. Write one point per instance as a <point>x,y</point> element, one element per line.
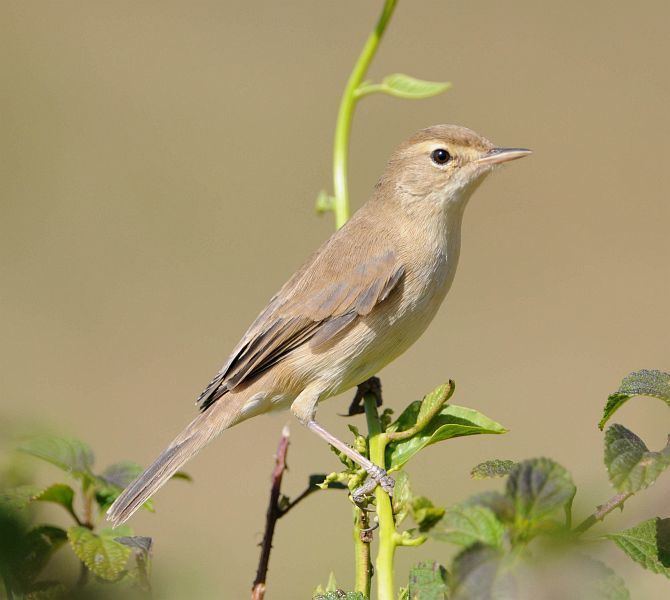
<point>388,536</point>
<point>346,113</point>
<point>602,511</point>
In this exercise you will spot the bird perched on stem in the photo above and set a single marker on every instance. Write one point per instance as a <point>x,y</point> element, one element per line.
<point>358,302</point>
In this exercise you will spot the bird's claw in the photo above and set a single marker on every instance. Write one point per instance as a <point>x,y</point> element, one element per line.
<point>376,476</point>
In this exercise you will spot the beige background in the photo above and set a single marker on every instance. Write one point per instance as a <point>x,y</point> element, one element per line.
<point>160,162</point>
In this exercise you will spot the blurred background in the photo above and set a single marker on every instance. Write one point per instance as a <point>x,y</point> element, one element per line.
<point>160,163</point>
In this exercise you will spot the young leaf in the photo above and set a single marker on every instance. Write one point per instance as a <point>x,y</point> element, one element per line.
<point>428,581</point>
<point>630,464</point>
<point>655,384</point>
<point>104,556</point>
<point>648,544</point>
<point>46,590</point>
<point>19,497</point>
<point>68,454</point>
<point>538,487</point>
<point>425,514</point>
<point>404,86</point>
<point>452,421</point>
<point>58,493</point>
<point>467,524</point>
<point>492,468</point>
<point>339,595</point>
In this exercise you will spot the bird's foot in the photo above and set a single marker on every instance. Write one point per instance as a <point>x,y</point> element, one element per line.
<point>376,476</point>
<point>369,386</point>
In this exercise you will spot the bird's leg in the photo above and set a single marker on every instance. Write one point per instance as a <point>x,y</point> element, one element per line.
<point>304,407</point>
<point>369,386</point>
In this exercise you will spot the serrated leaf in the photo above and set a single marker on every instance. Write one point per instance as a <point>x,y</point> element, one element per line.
<point>478,574</point>
<point>648,544</point>
<point>405,86</point>
<point>425,514</point>
<point>468,524</point>
<point>630,464</point>
<point>104,556</point>
<point>452,421</point>
<point>121,474</point>
<point>492,468</point>
<point>653,383</point>
<point>58,493</point>
<point>538,487</point>
<point>428,581</point>
<point>69,454</point>
<point>140,543</point>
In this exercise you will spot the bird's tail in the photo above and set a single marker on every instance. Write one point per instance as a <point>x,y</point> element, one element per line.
<point>203,429</point>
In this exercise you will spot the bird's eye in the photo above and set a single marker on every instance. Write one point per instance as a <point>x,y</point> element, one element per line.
<point>440,156</point>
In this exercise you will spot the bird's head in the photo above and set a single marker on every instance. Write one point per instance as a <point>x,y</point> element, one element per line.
<point>442,165</point>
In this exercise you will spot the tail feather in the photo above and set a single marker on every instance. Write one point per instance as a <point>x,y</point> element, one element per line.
<point>202,430</point>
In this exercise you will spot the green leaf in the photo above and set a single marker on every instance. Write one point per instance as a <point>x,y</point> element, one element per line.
<point>425,514</point>
<point>428,581</point>
<point>538,487</point>
<point>68,454</point>
<point>630,464</point>
<point>501,506</point>
<point>58,493</point>
<point>402,497</point>
<point>19,497</point>
<point>655,384</point>
<point>468,524</point>
<point>104,556</point>
<point>404,86</point>
<point>478,574</point>
<point>339,595</point>
<point>452,421</point>
<point>40,545</point>
<point>648,544</point>
<point>492,468</point>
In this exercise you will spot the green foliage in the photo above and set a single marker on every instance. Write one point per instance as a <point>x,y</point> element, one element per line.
<point>110,555</point>
<point>538,488</point>
<point>469,524</point>
<point>655,384</point>
<point>450,422</point>
<point>101,553</point>
<point>427,581</point>
<point>403,86</point>
<point>648,544</point>
<point>630,464</point>
<point>332,592</point>
<point>492,468</point>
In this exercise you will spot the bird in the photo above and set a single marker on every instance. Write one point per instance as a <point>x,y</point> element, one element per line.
<point>362,299</point>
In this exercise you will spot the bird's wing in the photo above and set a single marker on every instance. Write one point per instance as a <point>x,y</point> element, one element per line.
<point>345,279</point>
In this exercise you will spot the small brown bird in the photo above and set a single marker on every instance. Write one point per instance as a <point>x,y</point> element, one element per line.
<point>358,302</point>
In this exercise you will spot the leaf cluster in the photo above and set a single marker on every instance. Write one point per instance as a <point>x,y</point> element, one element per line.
<point>106,555</point>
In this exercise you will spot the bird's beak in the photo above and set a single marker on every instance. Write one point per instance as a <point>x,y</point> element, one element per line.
<point>497,156</point>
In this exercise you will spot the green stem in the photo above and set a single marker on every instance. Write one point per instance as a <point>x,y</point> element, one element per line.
<point>346,113</point>
<point>362,553</point>
<point>388,536</point>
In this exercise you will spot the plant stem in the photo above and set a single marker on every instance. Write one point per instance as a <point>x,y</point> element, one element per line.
<point>602,511</point>
<point>362,553</point>
<point>346,112</point>
<point>273,513</point>
<point>388,536</point>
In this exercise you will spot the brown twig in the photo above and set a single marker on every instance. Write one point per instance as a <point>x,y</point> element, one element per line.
<point>602,511</point>
<point>274,512</point>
